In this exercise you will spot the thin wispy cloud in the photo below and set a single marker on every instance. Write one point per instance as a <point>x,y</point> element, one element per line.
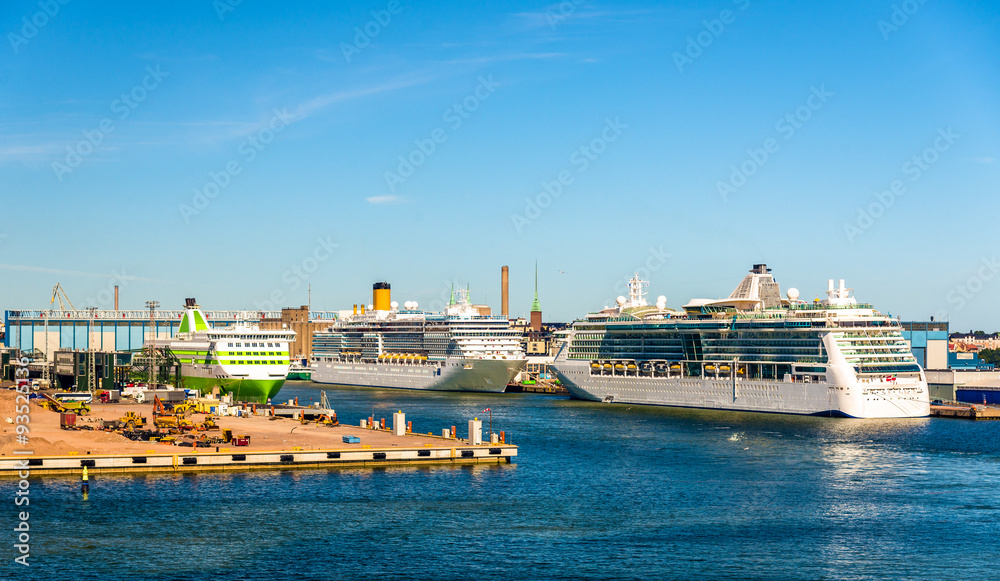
<point>30,152</point>
<point>340,96</point>
<point>556,14</point>
<point>983,159</point>
<point>383,200</point>
<point>486,60</point>
<point>25,268</point>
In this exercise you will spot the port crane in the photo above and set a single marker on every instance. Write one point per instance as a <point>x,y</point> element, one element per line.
<point>58,292</point>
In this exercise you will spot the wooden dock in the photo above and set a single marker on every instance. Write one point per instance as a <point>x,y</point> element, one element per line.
<point>965,411</point>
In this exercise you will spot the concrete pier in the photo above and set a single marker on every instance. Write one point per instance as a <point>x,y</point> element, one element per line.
<point>260,441</point>
<point>235,459</point>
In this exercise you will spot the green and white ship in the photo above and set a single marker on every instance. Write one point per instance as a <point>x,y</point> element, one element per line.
<point>242,359</point>
<point>299,372</point>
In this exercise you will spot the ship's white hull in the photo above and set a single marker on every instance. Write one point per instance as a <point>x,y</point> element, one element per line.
<point>860,400</point>
<point>483,375</point>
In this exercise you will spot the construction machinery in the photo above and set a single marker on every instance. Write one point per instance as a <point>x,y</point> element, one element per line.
<point>131,420</point>
<point>162,418</point>
<point>326,420</point>
<point>70,406</point>
<point>183,408</point>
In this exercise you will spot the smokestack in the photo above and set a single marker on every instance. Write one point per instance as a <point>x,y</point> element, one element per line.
<point>116,297</point>
<point>381,297</point>
<point>504,291</point>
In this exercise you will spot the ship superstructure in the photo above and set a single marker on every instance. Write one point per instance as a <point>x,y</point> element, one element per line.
<point>242,359</point>
<point>388,346</point>
<point>754,350</point>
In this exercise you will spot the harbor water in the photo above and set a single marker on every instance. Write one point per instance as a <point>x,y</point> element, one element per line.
<point>597,491</point>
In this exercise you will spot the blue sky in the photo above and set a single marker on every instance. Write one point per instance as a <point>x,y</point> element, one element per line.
<point>239,153</point>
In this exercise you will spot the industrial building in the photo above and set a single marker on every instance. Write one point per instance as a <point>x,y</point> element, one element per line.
<point>929,343</point>
<point>48,331</point>
<point>950,376</point>
<point>299,320</point>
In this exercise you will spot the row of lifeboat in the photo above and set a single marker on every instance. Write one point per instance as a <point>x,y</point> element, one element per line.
<point>401,357</point>
<point>659,368</point>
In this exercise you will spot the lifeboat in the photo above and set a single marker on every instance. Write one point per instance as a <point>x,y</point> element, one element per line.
<point>607,366</point>
<point>725,369</point>
<point>595,365</point>
<point>619,366</point>
<point>631,366</point>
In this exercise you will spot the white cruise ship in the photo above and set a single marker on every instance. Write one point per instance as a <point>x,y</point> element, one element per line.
<point>752,351</point>
<point>458,350</point>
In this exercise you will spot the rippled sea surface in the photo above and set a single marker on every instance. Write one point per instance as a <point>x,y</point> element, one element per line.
<point>597,491</point>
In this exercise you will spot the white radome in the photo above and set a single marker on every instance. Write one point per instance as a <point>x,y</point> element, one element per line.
<point>620,300</point>
<point>793,294</point>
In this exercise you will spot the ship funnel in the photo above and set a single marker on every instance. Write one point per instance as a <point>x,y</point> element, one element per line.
<point>829,285</point>
<point>381,296</point>
<point>189,303</point>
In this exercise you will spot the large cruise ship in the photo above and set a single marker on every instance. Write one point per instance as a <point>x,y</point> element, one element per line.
<point>241,359</point>
<point>753,351</point>
<point>457,350</point>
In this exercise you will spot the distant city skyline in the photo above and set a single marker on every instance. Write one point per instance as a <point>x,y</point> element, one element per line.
<point>239,152</point>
